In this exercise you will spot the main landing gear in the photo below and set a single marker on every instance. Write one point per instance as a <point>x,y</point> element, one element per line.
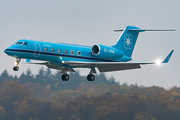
<point>90,77</point>
<point>65,77</point>
<point>16,68</point>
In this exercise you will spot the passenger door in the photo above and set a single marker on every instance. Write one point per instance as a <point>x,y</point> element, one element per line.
<point>37,49</point>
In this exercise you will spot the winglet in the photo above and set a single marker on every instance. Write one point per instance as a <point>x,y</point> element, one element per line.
<point>166,60</point>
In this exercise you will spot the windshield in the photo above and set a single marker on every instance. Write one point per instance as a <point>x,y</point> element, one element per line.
<point>19,43</point>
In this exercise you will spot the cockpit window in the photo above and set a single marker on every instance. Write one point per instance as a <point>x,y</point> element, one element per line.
<point>19,43</point>
<point>25,43</point>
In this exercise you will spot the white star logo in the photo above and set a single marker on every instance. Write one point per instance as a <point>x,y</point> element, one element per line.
<point>128,41</point>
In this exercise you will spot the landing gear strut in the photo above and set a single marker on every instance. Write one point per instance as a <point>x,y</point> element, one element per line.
<point>16,68</point>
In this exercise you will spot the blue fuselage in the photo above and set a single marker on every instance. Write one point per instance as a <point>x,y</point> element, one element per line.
<point>56,52</point>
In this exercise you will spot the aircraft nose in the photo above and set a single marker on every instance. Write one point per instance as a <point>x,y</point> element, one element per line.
<point>6,51</point>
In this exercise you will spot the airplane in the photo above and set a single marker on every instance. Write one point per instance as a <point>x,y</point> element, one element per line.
<point>66,57</point>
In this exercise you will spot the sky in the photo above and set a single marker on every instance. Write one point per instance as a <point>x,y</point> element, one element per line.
<point>90,22</point>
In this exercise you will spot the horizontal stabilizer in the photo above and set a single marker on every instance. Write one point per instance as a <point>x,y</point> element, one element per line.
<point>132,28</point>
<point>118,30</point>
<point>143,30</point>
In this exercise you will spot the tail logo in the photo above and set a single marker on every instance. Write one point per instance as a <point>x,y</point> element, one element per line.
<point>128,41</point>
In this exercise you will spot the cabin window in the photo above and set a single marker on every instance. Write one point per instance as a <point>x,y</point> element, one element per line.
<point>78,52</point>
<point>65,51</point>
<point>46,49</point>
<point>52,49</point>
<point>59,50</point>
<point>72,52</point>
<point>19,43</point>
<point>25,43</point>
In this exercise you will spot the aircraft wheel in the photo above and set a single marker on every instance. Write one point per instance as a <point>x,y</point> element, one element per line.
<point>65,77</point>
<point>16,68</point>
<point>91,77</point>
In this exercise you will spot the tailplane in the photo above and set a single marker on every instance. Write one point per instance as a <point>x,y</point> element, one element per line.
<point>127,39</point>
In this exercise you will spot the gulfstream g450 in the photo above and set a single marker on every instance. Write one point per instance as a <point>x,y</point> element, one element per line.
<point>66,57</point>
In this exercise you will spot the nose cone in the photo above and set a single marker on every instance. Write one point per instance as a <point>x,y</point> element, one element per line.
<point>6,51</point>
<point>9,50</point>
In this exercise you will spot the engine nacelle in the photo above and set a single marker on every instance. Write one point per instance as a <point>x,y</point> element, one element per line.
<point>103,51</point>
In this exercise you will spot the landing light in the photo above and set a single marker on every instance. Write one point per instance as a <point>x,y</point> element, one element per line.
<point>158,62</point>
<point>16,63</point>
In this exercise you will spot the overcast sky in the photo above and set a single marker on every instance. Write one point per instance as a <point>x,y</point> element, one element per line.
<point>89,22</point>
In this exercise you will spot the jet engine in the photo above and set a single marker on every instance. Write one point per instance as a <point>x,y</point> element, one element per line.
<point>108,52</point>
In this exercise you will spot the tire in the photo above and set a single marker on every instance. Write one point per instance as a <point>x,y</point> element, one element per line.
<point>91,77</point>
<point>15,68</point>
<point>65,77</point>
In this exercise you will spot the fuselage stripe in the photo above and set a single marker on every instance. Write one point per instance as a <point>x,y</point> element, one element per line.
<point>61,55</point>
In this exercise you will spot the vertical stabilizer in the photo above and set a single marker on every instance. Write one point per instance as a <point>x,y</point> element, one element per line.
<point>127,40</point>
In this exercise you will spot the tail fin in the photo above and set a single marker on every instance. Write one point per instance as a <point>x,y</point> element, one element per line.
<point>127,39</point>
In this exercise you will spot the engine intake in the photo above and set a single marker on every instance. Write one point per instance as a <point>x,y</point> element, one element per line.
<point>103,51</point>
<point>95,49</point>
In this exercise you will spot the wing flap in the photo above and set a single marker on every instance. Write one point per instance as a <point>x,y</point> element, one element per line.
<point>109,68</point>
<point>57,67</point>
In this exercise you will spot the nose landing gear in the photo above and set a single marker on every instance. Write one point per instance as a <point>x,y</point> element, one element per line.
<point>16,68</point>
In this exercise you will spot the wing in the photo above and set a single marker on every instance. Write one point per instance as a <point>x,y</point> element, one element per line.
<point>113,66</point>
<point>102,66</point>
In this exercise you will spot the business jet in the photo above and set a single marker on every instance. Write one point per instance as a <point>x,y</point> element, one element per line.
<point>66,57</point>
